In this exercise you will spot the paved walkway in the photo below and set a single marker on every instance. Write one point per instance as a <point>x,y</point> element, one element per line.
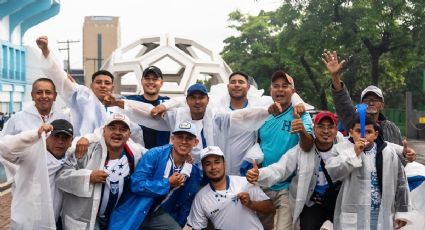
<point>5,201</point>
<point>419,147</point>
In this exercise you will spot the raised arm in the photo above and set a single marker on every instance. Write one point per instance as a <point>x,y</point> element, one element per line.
<point>341,97</point>
<point>330,59</point>
<point>248,119</point>
<point>343,161</point>
<point>51,67</point>
<point>17,147</point>
<point>140,113</point>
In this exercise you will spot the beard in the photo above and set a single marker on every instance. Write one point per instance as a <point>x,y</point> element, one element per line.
<point>216,179</point>
<point>371,113</point>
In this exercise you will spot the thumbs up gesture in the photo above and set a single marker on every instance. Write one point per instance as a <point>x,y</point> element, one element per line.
<point>253,174</point>
<point>408,152</point>
<point>275,109</point>
<point>297,123</point>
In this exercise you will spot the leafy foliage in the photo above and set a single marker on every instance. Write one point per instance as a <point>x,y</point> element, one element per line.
<point>382,41</point>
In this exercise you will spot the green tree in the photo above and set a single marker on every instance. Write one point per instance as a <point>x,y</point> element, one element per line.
<point>381,40</point>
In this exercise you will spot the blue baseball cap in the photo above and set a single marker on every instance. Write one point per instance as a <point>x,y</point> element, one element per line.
<point>187,127</point>
<point>197,88</point>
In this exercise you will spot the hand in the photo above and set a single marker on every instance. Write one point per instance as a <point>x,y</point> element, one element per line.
<point>98,176</point>
<point>253,174</point>
<point>71,78</point>
<point>297,123</point>
<point>176,179</point>
<point>399,223</point>
<point>300,108</point>
<point>158,111</point>
<point>189,159</point>
<point>42,43</point>
<point>245,199</point>
<point>275,109</point>
<point>81,148</point>
<point>408,152</point>
<point>109,101</point>
<point>359,145</point>
<point>44,128</point>
<point>330,59</point>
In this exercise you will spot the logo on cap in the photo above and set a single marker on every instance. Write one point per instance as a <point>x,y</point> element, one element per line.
<point>185,125</point>
<point>117,116</point>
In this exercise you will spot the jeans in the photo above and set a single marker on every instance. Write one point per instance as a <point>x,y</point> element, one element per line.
<point>159,220</point>
<point>374,214</point>
<point>312,218</point>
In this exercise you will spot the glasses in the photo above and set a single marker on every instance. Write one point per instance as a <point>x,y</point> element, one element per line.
<point>120,128</point>
<point>325,127</point>
<point>371,100</point>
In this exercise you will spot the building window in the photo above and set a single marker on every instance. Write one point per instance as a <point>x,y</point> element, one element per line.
<point>18,69</point>
<point>23,63</point>
<point>4,66</point>
<point>12,63</point>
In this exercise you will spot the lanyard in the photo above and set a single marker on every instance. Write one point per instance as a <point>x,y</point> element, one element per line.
<point>204,141</point>
<point>174,168</point>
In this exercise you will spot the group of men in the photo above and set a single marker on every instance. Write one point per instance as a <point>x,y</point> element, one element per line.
<point>204,161</point>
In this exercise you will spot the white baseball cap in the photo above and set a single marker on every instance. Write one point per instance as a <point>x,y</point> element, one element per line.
<point>187,127</point>
<point>372,89</point>
<point>118,117</point>
<point>211,150</point>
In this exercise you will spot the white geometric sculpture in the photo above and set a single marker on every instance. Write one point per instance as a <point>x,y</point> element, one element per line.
<point>182,61</point>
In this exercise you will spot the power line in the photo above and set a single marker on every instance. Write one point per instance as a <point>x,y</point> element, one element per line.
<point>67,42</point>
<point>94,62</point>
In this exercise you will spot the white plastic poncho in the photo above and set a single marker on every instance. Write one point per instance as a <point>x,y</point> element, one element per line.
<point>352,209</point>
<point>32,205</point>
<point>415,173</point>
<point>216,124</point>
<point>29,119</point>
<point>81,198</point>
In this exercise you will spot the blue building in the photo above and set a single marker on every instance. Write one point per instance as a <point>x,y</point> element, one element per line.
<point>16,17</point>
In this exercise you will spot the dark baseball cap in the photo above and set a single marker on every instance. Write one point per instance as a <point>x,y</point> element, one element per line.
<point>152,69</point>
<point>62,126</point>
<point>197,88</point>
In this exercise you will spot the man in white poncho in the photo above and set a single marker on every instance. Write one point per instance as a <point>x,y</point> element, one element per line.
<point>36,202</point>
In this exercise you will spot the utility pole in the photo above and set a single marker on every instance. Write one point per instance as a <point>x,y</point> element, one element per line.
<point>94,62</point>
<point>67,42</point>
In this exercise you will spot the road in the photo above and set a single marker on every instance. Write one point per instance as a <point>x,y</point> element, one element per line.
<point>419,147</point>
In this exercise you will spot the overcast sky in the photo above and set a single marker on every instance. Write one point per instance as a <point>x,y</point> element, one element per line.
<point>200,20</point>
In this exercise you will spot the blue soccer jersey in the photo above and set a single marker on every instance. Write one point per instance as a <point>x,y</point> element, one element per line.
<point>151,137</point>
<point>276,139</point>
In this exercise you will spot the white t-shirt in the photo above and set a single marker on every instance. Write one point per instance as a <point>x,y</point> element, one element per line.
<point>223,207</point>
